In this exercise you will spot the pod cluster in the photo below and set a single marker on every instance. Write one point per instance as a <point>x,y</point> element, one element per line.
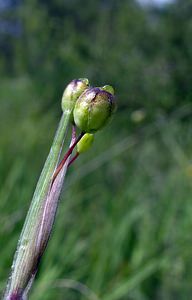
<point>91,107</point>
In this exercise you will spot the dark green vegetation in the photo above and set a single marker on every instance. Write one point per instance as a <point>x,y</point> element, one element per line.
<point>125,220</point>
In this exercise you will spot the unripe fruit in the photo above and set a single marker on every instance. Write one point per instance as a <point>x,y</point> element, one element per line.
<point>93,109</point>
<point>108,88</point>
<point>85,143</point>
<point>72,92</point>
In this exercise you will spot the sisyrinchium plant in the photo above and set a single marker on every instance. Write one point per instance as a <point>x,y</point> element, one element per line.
<point>86,110</point>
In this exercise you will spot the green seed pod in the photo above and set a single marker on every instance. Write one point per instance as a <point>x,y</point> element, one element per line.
<point>108,88</point>
<point>85,143</point>
<point>93,109</point>
<point>72,92</point>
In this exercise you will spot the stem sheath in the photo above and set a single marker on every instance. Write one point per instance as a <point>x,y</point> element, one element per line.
<point>33,240</point>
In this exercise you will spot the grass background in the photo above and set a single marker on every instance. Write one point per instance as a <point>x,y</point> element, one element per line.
<point>123,229</point>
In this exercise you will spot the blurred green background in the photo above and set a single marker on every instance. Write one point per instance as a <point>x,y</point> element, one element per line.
<point>124,224</point>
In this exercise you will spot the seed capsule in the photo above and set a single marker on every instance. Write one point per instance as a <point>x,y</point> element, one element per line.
<point>93,109</point>
<point>85,143</point>
<point>108,88</point>
<point>73,90</point>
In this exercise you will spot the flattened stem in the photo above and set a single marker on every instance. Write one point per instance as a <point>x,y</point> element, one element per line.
<point>26,256</point>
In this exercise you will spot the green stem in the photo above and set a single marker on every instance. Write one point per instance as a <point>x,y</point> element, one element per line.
<point>26,257</point>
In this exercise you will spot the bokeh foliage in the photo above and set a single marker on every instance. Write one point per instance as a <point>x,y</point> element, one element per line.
<point>125,218</point>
